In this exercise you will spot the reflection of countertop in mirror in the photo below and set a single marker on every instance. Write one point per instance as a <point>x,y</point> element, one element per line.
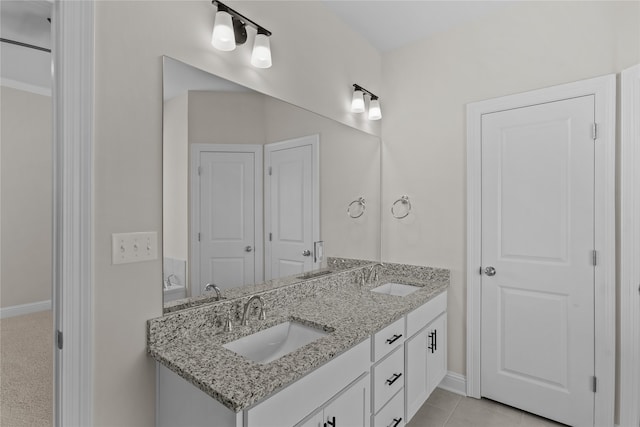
<point>333,265</point>
<point>190,342</point>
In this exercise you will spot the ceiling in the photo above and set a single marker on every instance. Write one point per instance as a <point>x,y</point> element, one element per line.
<point>390,24</point>
<point>26,21</point>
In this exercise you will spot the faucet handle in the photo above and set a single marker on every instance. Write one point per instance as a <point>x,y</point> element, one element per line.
<point>263,313</point>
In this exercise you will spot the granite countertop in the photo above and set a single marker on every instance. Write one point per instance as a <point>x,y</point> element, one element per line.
<point>350,313</point>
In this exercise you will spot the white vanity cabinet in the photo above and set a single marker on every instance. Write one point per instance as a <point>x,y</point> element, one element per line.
<point>425,352</point>
<point>350,408</point>
<point>380,382</point>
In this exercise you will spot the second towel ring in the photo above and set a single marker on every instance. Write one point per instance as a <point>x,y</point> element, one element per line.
<point>404,200</point>
<point>360,202</point>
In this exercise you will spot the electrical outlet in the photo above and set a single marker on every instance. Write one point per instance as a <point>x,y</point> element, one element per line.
<point>134,247</point>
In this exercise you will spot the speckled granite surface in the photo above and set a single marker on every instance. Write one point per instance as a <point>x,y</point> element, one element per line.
<point>189,342</point>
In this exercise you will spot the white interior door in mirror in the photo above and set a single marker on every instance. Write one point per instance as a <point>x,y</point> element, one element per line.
<point>292,215</point>
<point>227,206</point>
<point>538,273</point>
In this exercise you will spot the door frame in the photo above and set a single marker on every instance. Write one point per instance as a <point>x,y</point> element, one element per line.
<point>194,205</point>
<point>604,90</point>
<point>72,30</point>
<point>630,248</point>
<point>315,177</point>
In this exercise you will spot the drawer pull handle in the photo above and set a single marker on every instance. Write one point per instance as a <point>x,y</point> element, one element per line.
<point>393,379</point>
<point>434,341</point>
<point>331,423</point>
<point>394,338</point>
<point>396,421</point>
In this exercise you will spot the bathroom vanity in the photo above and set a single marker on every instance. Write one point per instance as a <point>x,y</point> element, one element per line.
<point>379,350</point>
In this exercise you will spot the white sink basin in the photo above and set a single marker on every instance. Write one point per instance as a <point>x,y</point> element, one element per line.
<point>396,289</point>
<point>272,343</point>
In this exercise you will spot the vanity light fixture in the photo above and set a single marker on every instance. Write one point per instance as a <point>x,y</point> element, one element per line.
<point>357,102</point>
<point>230,30</point>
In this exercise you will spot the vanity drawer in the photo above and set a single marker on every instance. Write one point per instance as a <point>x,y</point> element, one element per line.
<point>387,339</point>
<point>388,378</point>
<point>392,415</point>
<point>421,316</point>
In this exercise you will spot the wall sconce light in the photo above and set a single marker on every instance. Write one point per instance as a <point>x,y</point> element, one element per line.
<point>230,30</point>
<point>357,102</point>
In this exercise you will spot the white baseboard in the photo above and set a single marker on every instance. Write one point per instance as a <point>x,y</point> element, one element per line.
<point>455,383</point>
<point>19,310</point>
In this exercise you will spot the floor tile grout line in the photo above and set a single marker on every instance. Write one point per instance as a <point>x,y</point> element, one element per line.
<point>452,412</point>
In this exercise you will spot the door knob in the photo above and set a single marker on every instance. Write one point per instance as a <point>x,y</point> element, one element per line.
<point>248,249</point>
<point>490,271</point>
<point>306,253</point>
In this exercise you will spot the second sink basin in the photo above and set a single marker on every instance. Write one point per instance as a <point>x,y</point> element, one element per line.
<point>272,343</point>
<point>396,289</point>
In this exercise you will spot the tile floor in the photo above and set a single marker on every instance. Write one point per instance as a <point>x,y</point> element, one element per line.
<point>446,409</point>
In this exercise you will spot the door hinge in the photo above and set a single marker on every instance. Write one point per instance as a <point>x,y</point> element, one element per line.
<point>270,236</point>
<point>595,257</point>
<point>198,237</point>
<point>594,131</point>
<point>270,171</point>
<point>199,170</point>
<point>594,384</point>
<point>59,339</point>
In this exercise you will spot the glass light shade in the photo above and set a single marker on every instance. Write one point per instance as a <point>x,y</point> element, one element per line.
<point>261,55</point>
<point>374,110</point>
<point>223,37</point>
<point>357,102</point>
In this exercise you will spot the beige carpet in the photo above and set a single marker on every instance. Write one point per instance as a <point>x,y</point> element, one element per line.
<point>26,370</point>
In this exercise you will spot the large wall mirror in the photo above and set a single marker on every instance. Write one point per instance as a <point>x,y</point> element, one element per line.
<point>255,188</point>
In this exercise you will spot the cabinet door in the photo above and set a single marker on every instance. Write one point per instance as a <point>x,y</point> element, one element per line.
<point>416,372</point>
<point>351,408</point>
<point>313,421</point>
<point>436,352</point>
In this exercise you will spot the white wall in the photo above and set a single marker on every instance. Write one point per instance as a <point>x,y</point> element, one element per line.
<point>25,232</point>
<point>426,87</point>
<point>312,67</point>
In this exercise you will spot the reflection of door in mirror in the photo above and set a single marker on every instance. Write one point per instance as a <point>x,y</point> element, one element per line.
<point>291,206</point>
<point>226,217</point>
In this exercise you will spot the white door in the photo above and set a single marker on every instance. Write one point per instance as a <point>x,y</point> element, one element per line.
<point>538,234</point>
<point>292,209</point>
<point>227,217</point>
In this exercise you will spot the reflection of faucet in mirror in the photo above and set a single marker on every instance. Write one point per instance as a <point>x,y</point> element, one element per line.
<point>263,314</point>
<point>212,287</point>
<point>169,283</point>
<point>373,272</point>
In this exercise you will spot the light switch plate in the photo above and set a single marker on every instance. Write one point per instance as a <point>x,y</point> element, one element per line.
<point>134,247</point>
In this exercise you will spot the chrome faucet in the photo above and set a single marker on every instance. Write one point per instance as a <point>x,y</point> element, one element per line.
<point>373,272</point>
<point>213,287</point>
<point>263,314</point>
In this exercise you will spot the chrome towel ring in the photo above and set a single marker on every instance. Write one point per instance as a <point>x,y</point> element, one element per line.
<point>405,202</point>
<point>356,206</point>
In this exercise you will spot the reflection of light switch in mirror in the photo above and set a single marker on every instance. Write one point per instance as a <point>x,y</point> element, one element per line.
<point>318,251</point>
